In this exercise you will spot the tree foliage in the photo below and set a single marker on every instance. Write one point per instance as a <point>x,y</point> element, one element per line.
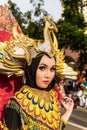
<point>71,28</point>
<point>32,21</point>
<point>17,13</point>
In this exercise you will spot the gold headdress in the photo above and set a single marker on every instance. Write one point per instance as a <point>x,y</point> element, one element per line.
<point>21,48</point>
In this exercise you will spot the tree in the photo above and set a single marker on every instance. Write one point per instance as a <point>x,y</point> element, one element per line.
<point>71,27</point>
<point>32,21</point>
<point>17,13</point>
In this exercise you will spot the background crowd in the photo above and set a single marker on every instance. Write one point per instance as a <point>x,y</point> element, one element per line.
<point>77,89</point>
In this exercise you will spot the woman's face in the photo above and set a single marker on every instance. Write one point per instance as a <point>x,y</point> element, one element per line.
<point>45,72</point>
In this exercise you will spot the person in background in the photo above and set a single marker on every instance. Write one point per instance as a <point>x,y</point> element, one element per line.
<point>80,96</point>
<point>84,86</point>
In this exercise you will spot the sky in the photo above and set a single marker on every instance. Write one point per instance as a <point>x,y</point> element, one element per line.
<point>53,7</point>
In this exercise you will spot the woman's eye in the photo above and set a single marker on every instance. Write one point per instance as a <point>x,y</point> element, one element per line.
<point>53,69</point>
<point>42,67</point>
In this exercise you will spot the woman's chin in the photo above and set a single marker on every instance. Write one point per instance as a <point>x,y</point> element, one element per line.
<point>42,87</point>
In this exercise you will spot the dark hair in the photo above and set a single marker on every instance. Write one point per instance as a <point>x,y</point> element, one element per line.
<point>30,74</point>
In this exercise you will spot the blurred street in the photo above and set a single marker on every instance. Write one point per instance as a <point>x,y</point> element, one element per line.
<point>78,120</point>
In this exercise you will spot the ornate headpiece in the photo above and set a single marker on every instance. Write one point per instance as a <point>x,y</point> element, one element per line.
<point>21,48</point>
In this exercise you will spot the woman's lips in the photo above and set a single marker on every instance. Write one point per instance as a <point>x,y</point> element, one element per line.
<point>46,82</point>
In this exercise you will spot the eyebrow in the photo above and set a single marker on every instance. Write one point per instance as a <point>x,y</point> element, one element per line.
<point>46,65</point>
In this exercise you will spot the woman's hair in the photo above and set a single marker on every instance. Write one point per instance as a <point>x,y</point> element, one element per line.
<point>30,74</point>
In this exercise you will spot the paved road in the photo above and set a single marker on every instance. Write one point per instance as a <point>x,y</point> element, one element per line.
<point>78,120</point>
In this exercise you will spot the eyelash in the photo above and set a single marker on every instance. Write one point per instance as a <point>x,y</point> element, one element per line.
<point>43,68</point>
<point>53,69</point>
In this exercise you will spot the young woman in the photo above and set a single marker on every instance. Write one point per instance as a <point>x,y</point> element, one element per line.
<point>36,105</point>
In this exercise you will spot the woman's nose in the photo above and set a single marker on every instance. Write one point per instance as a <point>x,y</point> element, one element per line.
<point>48,74</point>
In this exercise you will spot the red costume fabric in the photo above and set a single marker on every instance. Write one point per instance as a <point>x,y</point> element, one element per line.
<point>4,36</point>
<point>8,86</point>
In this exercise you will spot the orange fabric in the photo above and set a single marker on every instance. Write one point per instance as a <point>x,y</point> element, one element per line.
<point>80,79</point>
